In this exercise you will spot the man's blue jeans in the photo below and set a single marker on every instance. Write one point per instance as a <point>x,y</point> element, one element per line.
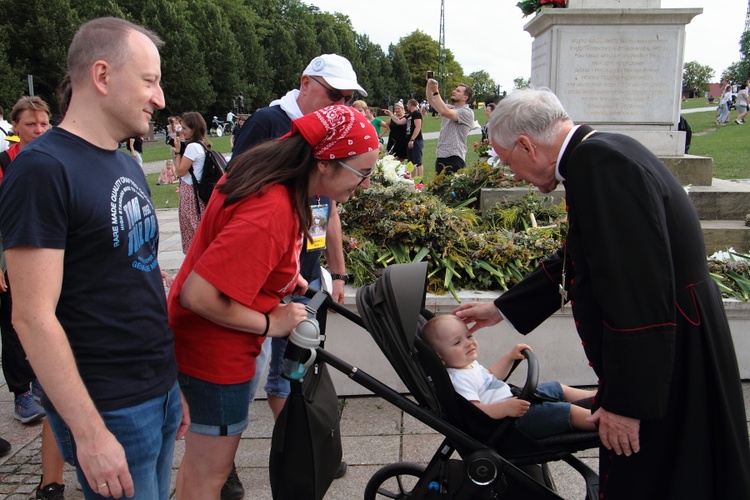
<point>147,433</point>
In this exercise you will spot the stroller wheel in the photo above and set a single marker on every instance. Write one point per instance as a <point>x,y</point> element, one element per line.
<point>394,481</point>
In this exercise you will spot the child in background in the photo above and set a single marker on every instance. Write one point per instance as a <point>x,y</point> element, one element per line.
<point>458,350</point>
<point>167,175</point>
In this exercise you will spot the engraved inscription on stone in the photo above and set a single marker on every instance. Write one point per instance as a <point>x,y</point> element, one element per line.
<point>618,76</point>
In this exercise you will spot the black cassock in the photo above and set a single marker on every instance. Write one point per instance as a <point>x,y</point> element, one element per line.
<point>651,321</point>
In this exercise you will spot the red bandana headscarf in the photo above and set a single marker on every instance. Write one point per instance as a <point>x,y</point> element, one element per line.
<point>336,132</point>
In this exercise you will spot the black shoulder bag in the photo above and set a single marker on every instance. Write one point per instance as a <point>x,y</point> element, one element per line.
<point>306,441</point>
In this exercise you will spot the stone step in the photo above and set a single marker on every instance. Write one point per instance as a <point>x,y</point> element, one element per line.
<point>722,200</point>
<point>724,234</point>
<point>690,169</point>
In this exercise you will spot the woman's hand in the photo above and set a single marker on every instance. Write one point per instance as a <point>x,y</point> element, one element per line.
<point>284,317</point>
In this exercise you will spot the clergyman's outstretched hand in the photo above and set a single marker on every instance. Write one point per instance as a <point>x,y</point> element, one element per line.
<point>480,313</point>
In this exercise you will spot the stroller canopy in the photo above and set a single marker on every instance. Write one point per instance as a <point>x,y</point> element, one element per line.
<point>390,309</point>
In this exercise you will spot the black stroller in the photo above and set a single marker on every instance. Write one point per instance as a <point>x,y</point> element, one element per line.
<point>480,457</point>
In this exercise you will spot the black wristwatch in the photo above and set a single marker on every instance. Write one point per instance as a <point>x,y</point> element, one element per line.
<point>342,277</point>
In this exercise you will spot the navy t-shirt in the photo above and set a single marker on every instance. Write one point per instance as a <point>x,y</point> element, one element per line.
<point>64,193</point>
<point>271,123</point>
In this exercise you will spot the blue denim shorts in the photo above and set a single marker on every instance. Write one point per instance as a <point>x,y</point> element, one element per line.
<point>216,409</point>
<point>547,418</point>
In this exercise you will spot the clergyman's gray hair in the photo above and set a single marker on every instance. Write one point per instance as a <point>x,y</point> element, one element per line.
<point>536,113</point>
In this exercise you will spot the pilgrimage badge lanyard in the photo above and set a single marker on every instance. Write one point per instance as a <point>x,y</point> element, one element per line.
<point>319,226</point>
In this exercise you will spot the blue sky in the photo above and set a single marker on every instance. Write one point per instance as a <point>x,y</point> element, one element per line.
<point>489,35</point>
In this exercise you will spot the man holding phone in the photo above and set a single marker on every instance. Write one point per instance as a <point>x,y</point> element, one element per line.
<point>458,119</point>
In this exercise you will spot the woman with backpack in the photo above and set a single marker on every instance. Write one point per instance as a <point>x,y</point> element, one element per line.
<point>244,259</point>
<point>190,155</point>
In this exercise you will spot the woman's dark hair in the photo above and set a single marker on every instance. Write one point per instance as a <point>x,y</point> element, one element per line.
<point>195,122</point>
<point>287,162</point>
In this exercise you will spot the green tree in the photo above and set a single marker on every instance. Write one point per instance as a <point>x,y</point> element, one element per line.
<point>401,85</point>
<point>185,76</point>
<point>421,53</point>
<point>483,85</point>
<point>220,52</point>
<point>13,82</point>
<point>373,71</point>
<point>696,75</point>
<point>521,83</point>
<point>38,35</point>
<point>734,73</point>
<point>255,75</point>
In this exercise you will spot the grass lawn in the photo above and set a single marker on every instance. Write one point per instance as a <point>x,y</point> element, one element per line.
<point>159,151</point>
<point>697,102</point>
<point>726,144</point>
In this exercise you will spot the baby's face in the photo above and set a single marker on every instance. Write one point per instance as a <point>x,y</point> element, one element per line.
<point>456,346</point>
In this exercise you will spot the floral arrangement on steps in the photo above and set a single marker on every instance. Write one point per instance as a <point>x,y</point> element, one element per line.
<point>394,222</point>
<point>529,7</point>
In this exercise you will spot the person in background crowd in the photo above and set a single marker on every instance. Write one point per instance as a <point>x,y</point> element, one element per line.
<point>742,104</point>
<point>414,134</point>
<point>458,119</point>
<point>236,130</point>
<point>381,126</point>
<point>135,145</point>
<point>488,109</point>
<point>398,142</point>
<point>190,155</point>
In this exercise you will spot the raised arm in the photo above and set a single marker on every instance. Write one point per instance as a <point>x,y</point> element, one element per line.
<point>433,97</point>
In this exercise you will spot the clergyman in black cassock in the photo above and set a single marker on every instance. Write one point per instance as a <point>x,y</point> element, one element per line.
<point>650,317</point>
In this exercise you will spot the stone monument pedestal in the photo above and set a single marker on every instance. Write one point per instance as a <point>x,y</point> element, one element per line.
<point>615,65</point>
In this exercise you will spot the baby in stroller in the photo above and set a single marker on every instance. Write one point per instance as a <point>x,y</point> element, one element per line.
<point>457,348</point>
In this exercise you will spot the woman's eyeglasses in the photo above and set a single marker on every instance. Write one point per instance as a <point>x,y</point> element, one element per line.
<point>357,172</point>
<point>334,95</point>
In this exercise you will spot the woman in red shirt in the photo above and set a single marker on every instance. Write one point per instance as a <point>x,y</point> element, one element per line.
<point>243,260</point>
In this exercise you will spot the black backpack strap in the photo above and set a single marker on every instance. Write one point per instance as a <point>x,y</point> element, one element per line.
<point>195,191</point>
<point>4,160</point>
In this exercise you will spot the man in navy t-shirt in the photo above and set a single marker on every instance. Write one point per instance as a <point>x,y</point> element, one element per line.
<point>81,240</point>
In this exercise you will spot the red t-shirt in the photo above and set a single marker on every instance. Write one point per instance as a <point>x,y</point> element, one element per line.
<point>250,252</point>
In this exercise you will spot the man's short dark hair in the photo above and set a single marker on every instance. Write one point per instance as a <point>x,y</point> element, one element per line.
<point>468,91</point>
<point>104,38</point>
